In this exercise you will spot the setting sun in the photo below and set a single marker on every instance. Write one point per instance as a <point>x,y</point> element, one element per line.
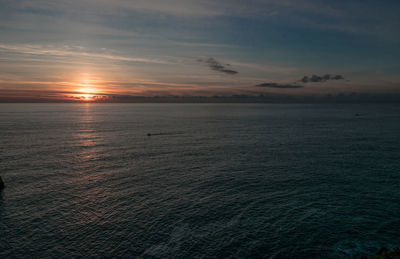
<point>87,97</point>
<point>86,93</point>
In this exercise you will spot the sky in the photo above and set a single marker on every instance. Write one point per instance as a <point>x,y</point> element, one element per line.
<point>97,49</point>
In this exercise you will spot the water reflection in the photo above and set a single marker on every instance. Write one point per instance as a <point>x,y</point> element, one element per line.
<point>87,138</point>
<point>88,164</point>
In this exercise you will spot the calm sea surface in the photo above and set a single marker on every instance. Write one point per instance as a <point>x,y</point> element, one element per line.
<point>213,180</point>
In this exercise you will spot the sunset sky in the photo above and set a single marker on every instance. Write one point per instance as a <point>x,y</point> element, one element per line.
<point>82,49</point>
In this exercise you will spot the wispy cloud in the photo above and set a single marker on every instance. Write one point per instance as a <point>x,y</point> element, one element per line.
<point>317,79</point>
<point>282,86</point>
<point>217,66</point>
<point>72,51</point>
<point>171,7</point>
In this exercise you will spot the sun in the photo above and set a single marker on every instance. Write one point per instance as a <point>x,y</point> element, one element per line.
<point>86,94</point>
<point>87,89</point>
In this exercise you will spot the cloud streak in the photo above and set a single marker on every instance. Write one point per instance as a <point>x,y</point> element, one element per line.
<point>74,51</point>
<point>281,86</point>
<point>213,64</point>
<point>317,79</point>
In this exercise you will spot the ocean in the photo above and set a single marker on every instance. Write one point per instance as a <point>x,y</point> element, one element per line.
<point>199,180</point>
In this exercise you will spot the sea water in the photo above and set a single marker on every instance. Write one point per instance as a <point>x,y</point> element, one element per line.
<point>199,180</point>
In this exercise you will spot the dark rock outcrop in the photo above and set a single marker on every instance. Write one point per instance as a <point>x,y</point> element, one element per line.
<point>1,184</point>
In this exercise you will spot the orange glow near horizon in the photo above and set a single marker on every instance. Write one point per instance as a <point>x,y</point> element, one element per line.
<point>88,97</point>
<point>87,94</point>
<point>86,90</point>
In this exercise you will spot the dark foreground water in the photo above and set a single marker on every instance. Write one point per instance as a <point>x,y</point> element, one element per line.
<point>213,180</point>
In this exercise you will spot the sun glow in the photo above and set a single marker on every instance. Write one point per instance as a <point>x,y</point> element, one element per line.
<point>87,88</point>
<point>86,93</point>
<point>87,96</point>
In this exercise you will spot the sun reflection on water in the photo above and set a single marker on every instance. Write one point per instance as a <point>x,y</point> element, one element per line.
<point>88,161</point>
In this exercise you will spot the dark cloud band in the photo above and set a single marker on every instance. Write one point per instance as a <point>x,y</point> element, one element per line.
<point>282,86</point>
<point>217,66</point>
<point>316,79</point>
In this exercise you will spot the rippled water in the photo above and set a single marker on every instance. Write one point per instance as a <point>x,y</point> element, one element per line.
<point>213,180</point>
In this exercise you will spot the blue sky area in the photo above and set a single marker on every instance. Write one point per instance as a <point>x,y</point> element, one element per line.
<point>55,49</point>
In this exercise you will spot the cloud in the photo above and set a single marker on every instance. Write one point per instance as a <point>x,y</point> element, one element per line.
<point>217,66</point>
<point>282,86</point>
<point>316,79</point>
<point>72,51</point>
